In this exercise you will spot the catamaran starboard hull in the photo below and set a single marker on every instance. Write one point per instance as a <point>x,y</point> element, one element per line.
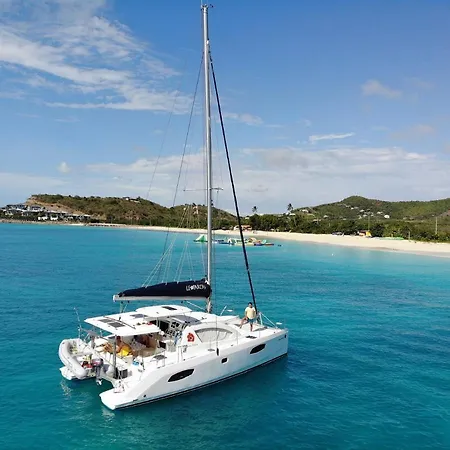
<point>198,373</point>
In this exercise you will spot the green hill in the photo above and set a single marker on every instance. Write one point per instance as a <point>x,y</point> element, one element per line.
<point>356,207</point>
<point>133,211</point>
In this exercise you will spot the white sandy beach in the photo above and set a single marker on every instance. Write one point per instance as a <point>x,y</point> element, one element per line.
<point>406,246</point>
<point>416,247</point>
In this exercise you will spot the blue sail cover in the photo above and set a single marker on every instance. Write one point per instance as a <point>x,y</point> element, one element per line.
<point>191,290</point>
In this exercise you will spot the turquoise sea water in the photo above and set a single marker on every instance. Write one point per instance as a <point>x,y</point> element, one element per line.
<point>368,364</point>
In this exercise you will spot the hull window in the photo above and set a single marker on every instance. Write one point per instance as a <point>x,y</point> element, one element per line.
<point>213,334</point>
<point>258,348</point>
<point>224,360</point>
<point>180,375</point>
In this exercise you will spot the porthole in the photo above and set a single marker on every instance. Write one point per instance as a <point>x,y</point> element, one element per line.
<point>180,375</point>
<point>257,349</point>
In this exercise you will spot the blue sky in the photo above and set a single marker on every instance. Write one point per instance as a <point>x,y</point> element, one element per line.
<point>322,99</point>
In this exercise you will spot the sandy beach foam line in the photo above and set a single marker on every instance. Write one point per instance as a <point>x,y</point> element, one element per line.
<point>383,244</point>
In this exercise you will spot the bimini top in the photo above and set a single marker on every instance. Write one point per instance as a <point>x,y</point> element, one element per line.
<point>181,290</point>
<point>125,324</point>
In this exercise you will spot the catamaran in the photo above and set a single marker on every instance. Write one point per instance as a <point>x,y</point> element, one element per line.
<point>164,350</point>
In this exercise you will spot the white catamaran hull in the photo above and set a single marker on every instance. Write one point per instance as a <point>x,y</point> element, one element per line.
<point>197,372</point>
<point>161,351</point>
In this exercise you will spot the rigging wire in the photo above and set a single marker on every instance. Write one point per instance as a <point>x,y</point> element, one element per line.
<point>218,163</point>
<point>187,134</point>
<point>247,266</point>
<point>184,151</point>
<point>165,134</point>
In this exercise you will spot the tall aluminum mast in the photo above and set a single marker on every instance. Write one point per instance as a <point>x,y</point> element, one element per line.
<point>208,149</point>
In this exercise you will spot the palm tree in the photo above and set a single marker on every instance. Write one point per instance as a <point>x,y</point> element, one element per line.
<point>290,208</point>
<point>254,209</point>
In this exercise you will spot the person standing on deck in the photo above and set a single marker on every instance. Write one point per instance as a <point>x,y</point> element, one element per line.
<point>249,316</point>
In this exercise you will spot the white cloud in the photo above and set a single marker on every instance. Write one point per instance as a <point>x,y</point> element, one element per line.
<point>312,177</point>
<point>306,122</point>
<point>308,176</point>
<point>415,132</point>
<point>420,84</point>
<point>64,167</point>
<point>423,129</point>
<point>67,120</point>
<point>247,119</point>
<point>269,177</point>
<point>29,116</point>
<point>13,95</point>
<point>17,187</point>
<point>328,137</point>
<point>374,87</point>
<point>68,46</point>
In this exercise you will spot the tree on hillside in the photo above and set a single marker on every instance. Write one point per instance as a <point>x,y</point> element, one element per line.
<point>290,208</point>
<point>377,230</point>
<point>254,209</point>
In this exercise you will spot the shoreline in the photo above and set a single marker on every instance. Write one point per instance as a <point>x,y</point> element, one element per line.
<point>437,249</point>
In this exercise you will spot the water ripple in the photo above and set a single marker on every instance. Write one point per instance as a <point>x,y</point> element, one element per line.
<point>367,367</point>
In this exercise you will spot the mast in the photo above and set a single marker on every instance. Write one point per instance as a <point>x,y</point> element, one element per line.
<point>208,150</point>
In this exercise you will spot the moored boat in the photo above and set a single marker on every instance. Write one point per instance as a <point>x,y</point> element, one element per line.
<point>160,351</point>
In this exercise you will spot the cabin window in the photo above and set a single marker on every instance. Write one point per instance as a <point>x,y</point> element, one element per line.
<point>224,360</point>
<point>170,308</point>
<point>257,349</point>
<point>180,375</point>
<point>163,326</point>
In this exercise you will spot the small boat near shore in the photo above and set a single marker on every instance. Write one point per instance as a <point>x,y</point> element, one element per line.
<point>251,241</point>
<point>258,242</point>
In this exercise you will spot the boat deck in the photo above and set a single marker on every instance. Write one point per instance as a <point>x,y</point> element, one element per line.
<point>257,328</point>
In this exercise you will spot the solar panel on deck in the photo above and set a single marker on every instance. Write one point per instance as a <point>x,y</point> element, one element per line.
<point>108,321</point>
<point>117,324</point>
<point>112,323</point>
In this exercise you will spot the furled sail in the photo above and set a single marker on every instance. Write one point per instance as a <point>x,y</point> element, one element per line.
<point>192,290</point>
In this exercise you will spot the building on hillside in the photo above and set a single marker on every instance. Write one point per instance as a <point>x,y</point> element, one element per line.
<point>40,213</point>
